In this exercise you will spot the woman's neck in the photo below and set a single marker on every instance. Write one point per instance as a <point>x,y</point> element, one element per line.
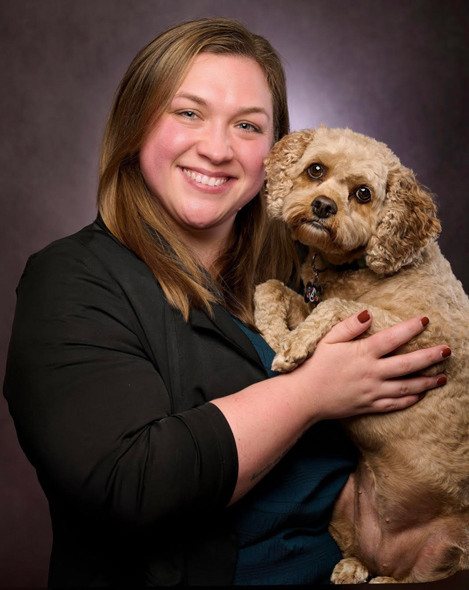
<point>206,246</point>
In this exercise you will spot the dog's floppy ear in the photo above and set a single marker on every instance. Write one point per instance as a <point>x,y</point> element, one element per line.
<point>280,168</point>
<point>408,225</point>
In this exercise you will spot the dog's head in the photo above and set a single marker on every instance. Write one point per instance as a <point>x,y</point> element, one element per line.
<point>346,194</point>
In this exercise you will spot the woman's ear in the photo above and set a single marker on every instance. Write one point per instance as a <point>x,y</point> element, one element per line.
<point>280,168</point>
<point>408,225</point>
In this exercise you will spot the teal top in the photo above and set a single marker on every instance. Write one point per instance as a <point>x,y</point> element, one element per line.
<point>282,523</point>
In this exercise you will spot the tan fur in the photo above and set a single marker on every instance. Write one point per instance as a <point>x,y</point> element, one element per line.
<point>404,515</point>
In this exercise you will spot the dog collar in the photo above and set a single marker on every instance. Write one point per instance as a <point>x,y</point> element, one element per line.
<point>313,289</point>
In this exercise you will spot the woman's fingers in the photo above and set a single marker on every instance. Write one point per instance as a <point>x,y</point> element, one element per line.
<point>400,365</point>
<point>390,339</point>
<point>349,328</point>
<point>392,404</point>
<point>377,381</point>
<point>399,394</point>
<point>400,388</point>
<point>381,343</point>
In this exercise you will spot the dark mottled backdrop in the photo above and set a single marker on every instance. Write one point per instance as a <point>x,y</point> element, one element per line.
<point>394,69</point>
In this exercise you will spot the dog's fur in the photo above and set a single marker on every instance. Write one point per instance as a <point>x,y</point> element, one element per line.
<point>404,515</point>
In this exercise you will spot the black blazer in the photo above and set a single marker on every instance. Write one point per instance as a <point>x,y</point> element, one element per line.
<point>108,387</point>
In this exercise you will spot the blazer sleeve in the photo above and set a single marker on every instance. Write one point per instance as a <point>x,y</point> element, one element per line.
<point>91,410</point>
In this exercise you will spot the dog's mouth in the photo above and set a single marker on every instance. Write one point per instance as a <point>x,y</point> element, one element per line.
<point>315,224</point>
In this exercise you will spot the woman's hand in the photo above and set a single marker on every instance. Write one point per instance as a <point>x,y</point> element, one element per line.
<point>347,377</point>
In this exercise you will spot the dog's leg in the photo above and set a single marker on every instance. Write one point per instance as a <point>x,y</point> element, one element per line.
<point>278,310</point>
<point>441,555</point>
<point>299,344</point>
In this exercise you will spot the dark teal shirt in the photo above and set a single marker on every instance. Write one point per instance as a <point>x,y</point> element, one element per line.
<point>283,522</point>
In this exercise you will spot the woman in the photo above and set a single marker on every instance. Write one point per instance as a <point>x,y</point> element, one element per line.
<point>135,376</point>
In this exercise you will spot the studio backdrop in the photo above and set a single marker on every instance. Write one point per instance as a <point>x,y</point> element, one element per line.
<point>393,69</point>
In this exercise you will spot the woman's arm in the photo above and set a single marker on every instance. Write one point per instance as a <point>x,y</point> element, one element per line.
<point>344,377</point>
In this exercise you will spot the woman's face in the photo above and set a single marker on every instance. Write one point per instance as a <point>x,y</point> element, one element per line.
<point>203,160</point>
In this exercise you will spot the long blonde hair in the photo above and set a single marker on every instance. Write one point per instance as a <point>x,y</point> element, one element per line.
<point>259,249</point>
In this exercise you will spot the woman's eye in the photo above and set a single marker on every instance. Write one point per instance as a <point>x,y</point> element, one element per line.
<point>363,194</point>
<point>316,171</point>
<point>187,114</point>
<point>249,127</point>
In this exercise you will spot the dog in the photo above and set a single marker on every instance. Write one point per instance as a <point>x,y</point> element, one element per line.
<point>371,230</point>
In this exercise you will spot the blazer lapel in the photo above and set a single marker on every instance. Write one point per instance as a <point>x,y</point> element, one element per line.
<point>222,323</point>
<point>226,327</point>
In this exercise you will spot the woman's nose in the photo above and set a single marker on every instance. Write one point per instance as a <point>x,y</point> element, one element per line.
<point>215,144</point>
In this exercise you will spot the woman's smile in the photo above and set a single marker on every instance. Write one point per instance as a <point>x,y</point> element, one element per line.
<point>209,179</point>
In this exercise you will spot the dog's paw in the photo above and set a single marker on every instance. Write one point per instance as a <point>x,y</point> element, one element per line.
<point>349,571</point>
<point>290,355</point>
<point>282,365</point>
<point>383,580</point>
<point>289,358</point>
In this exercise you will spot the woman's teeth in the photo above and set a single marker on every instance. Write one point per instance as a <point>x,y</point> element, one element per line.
<point>208,180</point>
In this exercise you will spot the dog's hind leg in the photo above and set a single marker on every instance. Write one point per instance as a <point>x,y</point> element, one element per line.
<point>349,571</point>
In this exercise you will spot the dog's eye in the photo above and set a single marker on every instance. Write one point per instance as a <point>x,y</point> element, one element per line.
<point>316,171</point>
<point>363,194</point>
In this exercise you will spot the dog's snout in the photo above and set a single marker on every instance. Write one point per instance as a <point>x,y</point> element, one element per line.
<point>324,207</point>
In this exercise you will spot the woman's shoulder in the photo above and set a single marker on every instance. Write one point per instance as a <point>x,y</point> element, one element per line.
<point>87,274</point>
<point>91,250</point>
<point>90,240</point>
<point>91,265</point>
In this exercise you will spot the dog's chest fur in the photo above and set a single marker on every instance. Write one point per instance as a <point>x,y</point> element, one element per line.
<point>430,271</point>
<point>358,285</point>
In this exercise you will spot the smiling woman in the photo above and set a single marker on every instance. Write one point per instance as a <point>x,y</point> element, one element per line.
<point>203,159</point>
<point>139,387</point>
<point>178,87</point>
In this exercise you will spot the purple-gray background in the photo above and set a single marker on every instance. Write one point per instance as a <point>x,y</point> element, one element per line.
<point>393,69</point>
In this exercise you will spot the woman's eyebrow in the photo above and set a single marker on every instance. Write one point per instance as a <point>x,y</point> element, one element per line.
<point>192,97</point>
<point>202,102</point>
<point>251,110</point>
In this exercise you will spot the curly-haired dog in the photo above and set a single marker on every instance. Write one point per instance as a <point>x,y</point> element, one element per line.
<point>371,231</point>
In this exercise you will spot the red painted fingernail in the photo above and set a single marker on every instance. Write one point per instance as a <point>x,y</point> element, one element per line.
<point>363,317</point>
<point>446,352</point>
<point>441,380</point>
<point>424,321</point>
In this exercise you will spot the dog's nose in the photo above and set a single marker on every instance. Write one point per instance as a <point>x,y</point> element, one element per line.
<point>324,207</point>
